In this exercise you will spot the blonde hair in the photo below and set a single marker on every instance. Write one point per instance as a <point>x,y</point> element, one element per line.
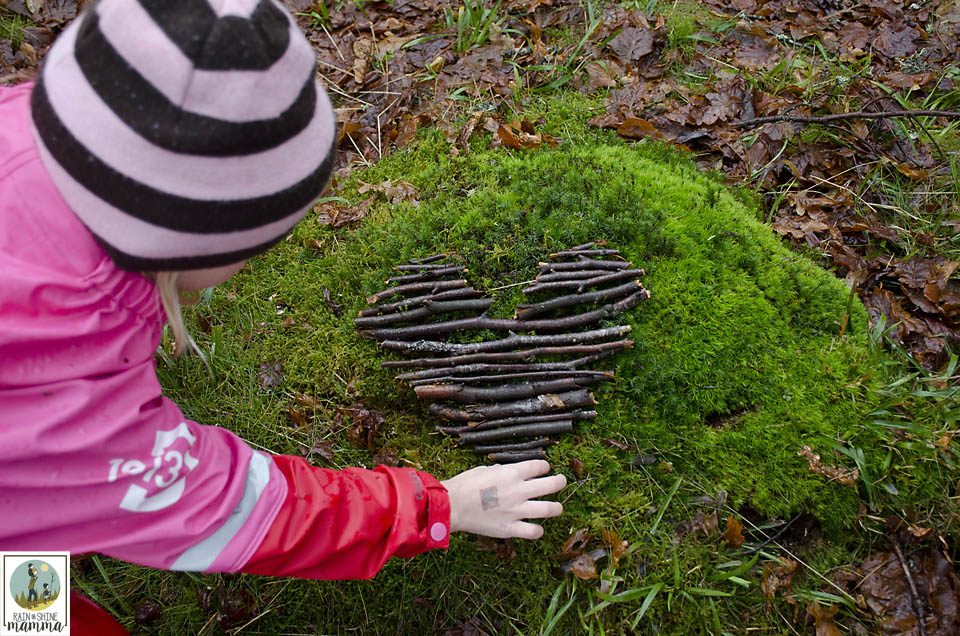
<point>173,301</point>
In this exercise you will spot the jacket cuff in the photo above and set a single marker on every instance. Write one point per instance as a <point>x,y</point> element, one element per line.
<point>431,503</point>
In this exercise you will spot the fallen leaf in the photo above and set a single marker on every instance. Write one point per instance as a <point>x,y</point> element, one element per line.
<point>617,546</point>
<point>636,128</point>
<point>365,424</point>
<point>733,535</point>
<point>616,444</point>
<point>846,476</point>
<point>297,418</point>
<point>323,448</point>
<point>502,548</point>
<point>577,467</point>
<point>584,567</point>
<point>271,375</point>
<point>394,191</point>
<point>575,544</point>
<point>632,43</point>
<point>331,305</point>
<point>336,215</point>
<point>147,611</point>
<point>776,578</point>
<point>823,619</point>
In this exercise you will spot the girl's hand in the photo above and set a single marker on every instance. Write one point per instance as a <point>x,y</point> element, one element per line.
<point>491,500</point>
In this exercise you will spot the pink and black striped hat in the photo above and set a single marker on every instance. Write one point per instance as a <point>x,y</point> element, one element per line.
<point>184,133</point>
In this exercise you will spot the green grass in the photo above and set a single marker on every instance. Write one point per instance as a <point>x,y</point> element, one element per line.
<point>745,352</point>
<point>12,25</point>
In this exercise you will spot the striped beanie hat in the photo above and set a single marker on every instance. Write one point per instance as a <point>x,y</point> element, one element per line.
<point>184,133</point>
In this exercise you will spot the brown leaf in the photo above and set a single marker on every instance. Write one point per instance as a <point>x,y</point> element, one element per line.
<point>632,43</point>
<point>394,191</point>
<point>776,578</point>
<point>845,476</point>
<point>575,544</point>
<point>577,467</point>
<point>336,215</point>
<point>331,305</point>
<point>823,619</point>
<point>910,172</point>
<point>584,567</point>
<point>307,401</point>
<point>897,40</point>
<point>733,535</point>
<point>502,548</point>
<point>323,448</point>
<point>386,457</point>
<point>366,423</point>
<point>271,375</point>
<point>617,546</point>
<point>616,444</point>
<point>148,610</point>
<point>636,128</point>
<point>297,418</point>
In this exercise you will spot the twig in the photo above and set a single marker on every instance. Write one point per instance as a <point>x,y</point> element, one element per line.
<point>525,312</point>
<point>583,263</point>
<point>486,425</point>
<point>500,377</point>
<point>465,394</point>
<point>585,252</point>
<point>915,599</point>
<point>583,284</point>
<point>509,324</point>
<point>432,286</point>
<point>427,275</point>
<point>505,448</point>
<point>518,456</point>
<point>431,308</point>
<point>511,341</point>
<point>511,432</point>
<point>450,294</point>
<point>522,355</point>
<point>421,267</point>
<point>574,275</point>
<point>819,119</point>
<point>467,369</point>
<point>426,259</point>
<point>529,406</point>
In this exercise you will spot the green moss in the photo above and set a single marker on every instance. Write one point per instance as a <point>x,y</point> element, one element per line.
<point>738,362</point>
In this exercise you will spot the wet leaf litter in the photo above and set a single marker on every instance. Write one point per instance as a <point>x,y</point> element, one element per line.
<point>509,397</point>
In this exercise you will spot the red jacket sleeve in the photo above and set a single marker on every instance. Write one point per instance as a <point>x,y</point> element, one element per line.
<point>345,524</point>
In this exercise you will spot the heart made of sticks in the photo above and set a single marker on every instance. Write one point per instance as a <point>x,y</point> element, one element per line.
<point>500,396</point>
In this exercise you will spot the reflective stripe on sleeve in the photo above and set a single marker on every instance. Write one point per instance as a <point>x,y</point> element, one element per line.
<point>202,555</point>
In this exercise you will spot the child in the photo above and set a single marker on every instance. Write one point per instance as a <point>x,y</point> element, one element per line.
<point>163,144</point>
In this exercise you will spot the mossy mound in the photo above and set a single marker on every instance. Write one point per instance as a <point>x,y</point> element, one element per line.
<point>745,352</point>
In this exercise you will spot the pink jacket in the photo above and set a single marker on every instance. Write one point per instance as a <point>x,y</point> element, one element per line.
<point>94,459</point>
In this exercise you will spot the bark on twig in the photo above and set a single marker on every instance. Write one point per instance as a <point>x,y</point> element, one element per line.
<point>583,263</point>
<point>431,286</point>
<point>508,324</point>
<point>525,312</point>
<point>420,268</point>
<point>430,308</point>
<point>820,119</point>
<point>915,599</point>
<point>500,377</point>
<point>427,259</point>
<point>610,278</point>
<point>465,394</point>
<point>508,356</point>
<point>575,415</point>
<point>518,456</point>
<point>506,448</point>
<point>584,252</point>
<point>468,369</point>
<point>416,301</point>
<point>514,432</point>
<point>529,406</point>
<point>580,285</point>
<point>585,246</point>
<point>428,275</point>
<point>587,273</point>
<point>511,341</point>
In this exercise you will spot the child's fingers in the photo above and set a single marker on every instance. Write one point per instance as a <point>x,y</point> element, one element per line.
<point>524,530</point>
<point>531,468</point>
<point>536,488</point>
<point>539,509</point>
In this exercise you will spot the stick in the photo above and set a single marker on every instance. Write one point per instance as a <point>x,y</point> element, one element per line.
<point>508,324</point>
<point>525,430</point>
<point>564,373</point>
<point>431,308</point>
<point>428,259</point>
<point>610,278</point>
<point>487,425</point>
<point>915,599</point>
<point>519,456</point>
<point>428,275</point>
<point>585,252</point>
<point>583,263</point>
<point>585,246</point>
<point>416,301</point>
<point>525,312</point>
<point>420,268</point>
<point>818,119</point>
<point>467,369</point>
<point>468,395</point>
<point>511,341</point>
<point>503,448</point>
<point>523,355</point>
<point>431,286</point>
<point>587,273</point>
<point>529,406</point>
